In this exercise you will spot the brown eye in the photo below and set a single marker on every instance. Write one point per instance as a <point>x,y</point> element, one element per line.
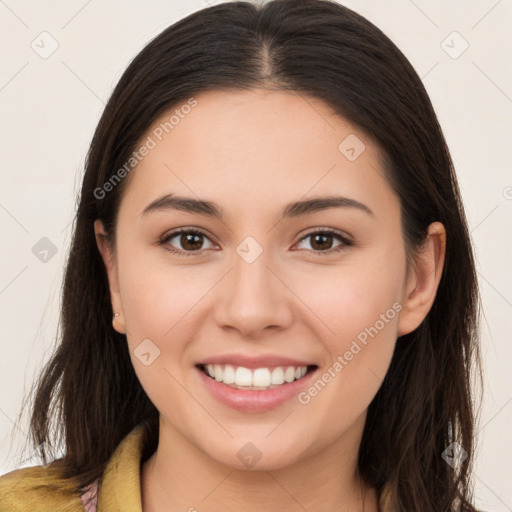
<point>186,242</point>
<point>321,241</point>
<point>191,241</point>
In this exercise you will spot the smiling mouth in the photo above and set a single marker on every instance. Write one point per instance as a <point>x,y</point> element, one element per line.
<point>258,379</point>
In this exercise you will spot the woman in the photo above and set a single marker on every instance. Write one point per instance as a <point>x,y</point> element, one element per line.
<point>270,301</point>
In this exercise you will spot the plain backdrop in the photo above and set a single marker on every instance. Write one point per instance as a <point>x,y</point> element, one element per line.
<point>50,104</point>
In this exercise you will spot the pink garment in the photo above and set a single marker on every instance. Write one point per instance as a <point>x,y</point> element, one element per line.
<point>90,497</point>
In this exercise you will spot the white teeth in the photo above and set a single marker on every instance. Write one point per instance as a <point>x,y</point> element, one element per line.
<point>228,377</point>
<point>259,378</point>
<point>289,374</point>
<point>243,376</point>
<point>277,376</point>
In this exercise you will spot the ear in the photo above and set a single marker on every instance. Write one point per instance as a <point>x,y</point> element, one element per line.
<point>423,279</point>
<point>109,260</point>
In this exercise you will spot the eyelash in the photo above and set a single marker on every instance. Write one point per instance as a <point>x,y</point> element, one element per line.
<point>196,231</point>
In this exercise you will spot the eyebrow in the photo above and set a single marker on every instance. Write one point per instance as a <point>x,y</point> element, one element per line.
<point>295,209</point>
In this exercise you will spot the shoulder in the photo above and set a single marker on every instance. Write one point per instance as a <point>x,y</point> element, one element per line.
<point>43,489</point>
<point>38,489</point>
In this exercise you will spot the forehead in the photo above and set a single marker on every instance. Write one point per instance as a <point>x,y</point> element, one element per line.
<point>254,148</point>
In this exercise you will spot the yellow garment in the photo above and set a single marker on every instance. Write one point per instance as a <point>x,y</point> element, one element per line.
<point>39,489</point>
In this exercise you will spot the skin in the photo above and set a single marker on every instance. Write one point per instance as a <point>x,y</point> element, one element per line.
<point>253,152</point>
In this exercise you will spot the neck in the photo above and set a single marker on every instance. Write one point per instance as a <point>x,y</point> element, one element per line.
<point>178,477</point>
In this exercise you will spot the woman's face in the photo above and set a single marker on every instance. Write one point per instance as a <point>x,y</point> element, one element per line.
<point>256,291</point>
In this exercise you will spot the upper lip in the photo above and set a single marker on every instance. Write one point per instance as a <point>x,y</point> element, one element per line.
<point>263,361</point>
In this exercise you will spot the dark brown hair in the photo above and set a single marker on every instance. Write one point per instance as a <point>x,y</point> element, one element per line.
<point>89,392</point>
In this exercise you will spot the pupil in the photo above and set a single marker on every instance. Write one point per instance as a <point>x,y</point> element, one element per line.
<point>323,239</point>
<point>186,240</point>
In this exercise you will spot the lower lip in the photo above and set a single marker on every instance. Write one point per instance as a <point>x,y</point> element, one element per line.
<point>253,400</point>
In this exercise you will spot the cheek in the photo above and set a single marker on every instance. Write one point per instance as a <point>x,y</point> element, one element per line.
<point>160,302</point>
<point>356,310</point>
<point>346,300</point>
<point>159,297</point>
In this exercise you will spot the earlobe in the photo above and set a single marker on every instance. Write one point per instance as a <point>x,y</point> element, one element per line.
<point>423,280</point>
<point>113,281</point>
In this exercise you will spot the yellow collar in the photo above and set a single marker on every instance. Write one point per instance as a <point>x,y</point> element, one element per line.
<point>120,484</point>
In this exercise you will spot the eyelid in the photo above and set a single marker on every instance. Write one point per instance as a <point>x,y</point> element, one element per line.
<point>324,229</point>
<point>185,229</point>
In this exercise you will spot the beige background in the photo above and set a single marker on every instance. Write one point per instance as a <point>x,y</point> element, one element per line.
<point>50,106</point>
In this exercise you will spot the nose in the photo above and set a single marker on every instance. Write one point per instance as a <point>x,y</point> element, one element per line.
<point>253,298</point>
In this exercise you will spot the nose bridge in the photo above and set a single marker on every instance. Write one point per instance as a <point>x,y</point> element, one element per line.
<point>252,296</point>
<point>251,268</point>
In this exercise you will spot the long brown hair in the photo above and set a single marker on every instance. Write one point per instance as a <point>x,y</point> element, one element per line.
<point>89,393</point>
